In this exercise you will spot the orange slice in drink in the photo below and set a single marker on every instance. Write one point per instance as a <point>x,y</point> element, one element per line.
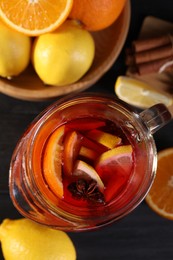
<point>52,162</point>
<point>71,149</point>
<point>160,196</point>
<point>37,156</point>
<point>35,17</point>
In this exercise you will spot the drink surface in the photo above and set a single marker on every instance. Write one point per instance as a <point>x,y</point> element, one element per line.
<point>86,162</point>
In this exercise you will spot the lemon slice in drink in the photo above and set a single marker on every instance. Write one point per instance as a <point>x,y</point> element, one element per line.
<point>139,93</point>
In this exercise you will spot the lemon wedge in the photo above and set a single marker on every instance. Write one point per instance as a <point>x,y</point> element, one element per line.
<point>139,93</point>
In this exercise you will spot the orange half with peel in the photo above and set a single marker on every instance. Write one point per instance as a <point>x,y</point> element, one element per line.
<point>52,162</point>
<point>34,17</point>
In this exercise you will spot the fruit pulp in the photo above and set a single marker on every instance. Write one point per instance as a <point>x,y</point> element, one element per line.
<point>95,162</point>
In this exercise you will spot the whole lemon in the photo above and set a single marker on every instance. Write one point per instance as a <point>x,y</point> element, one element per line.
<point>24,239</point>
<point>62,57</point>
<point>15,49</point>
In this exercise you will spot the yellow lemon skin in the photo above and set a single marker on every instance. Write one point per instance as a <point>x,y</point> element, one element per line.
<point>138,93</point>
<point>15,50</point>
<point>63,56</point>
<point>23,239</point>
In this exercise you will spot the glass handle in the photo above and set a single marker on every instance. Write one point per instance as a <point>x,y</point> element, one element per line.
<point>156,117</point>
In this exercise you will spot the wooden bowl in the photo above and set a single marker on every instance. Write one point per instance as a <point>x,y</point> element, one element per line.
<point>108,42</point>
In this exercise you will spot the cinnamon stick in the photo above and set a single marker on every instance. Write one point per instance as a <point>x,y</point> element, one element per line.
<point>152,66</point>
<point>150,54</point>
<point>154,54</point>
<point>146,44</point>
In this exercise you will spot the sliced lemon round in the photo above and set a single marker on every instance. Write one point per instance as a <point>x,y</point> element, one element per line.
<point>139,93</point>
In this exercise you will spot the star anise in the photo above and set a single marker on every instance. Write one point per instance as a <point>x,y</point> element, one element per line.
<point>86,190</point>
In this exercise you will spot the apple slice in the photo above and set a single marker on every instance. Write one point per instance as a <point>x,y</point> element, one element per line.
<point>97,147</point>
<point>82,169</point>
<point>72,145</point>
<point>88,153</point>
<point>114,168</point>
<point>52,161</point>
<point>106,139</point>
<point>86,124</point>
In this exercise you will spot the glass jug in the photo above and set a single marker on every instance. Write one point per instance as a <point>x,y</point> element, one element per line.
<point>111,148</point>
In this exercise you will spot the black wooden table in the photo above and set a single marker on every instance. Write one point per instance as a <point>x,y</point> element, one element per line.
<point>141,235</point>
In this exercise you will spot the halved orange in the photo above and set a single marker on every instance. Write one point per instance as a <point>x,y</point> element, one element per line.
<point>35,17</point>
<point>52,162</point>
<point>160,196</point>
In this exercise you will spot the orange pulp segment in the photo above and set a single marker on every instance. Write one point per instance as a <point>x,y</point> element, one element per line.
<point>52,162</point>
<point>160,196</point>
<point>35,17</point>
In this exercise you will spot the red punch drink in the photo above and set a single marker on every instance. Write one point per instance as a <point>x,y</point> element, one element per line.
<point>82,163</point>
<point>87,162</point>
